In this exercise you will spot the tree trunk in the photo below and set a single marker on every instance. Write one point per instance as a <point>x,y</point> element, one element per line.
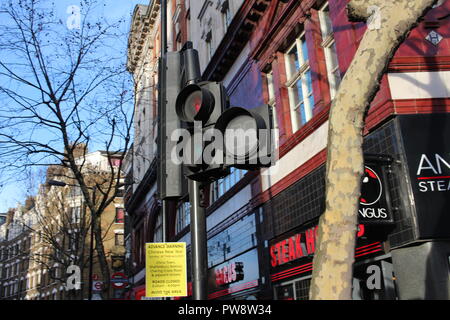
<point>99,248</point>
<point>388,27</point>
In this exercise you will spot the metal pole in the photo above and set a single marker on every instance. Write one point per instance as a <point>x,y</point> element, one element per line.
<point>162,95</point>
<point>198,244</point>
<point>91,255</point>
<point>164,213</point>
<point>91,246</point>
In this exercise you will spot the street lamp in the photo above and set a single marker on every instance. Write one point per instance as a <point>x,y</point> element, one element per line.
<point>57,183</point>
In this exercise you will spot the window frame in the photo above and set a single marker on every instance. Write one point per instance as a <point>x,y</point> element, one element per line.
<point>272,102</point>
<point>220,187</point>
<point>157,230</point>
<point>116,219</point>
<point>330,51</point>
<point>117,237</point>
<point>302,77</point>
<point>226,15</point>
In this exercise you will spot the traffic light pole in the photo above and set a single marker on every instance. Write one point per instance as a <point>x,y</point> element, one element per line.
<point>198,220</point>
<point>162,96</point>
<point>198,243</point>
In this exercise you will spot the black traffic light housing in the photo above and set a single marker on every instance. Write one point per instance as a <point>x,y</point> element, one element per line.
<point>203,102</point>
<point>204,105</point>
<point>248,137</point>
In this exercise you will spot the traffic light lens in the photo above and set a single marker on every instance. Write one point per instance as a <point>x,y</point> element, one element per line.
<point>193,104</point>
<point>241,138</point>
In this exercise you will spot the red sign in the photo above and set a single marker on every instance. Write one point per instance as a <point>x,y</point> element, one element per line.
<point>297,246</point>
<point>119,280</point>
<point>230,273</point>
<point>97,286</point>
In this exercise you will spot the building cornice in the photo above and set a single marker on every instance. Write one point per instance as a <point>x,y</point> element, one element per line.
<point>145,19</point>
<point>234,41</point>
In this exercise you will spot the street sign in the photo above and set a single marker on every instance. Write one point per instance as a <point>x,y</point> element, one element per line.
<point>97,285</point>
<point>166,272</point>
<point>119,280</point>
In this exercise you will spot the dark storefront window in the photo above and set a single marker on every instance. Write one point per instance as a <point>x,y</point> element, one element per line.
<point>221,186</point>
<point>294,290</point>
<point>183,218</point>
<point>233,263</point>
<point>372,280</point>
<point>235,239</point>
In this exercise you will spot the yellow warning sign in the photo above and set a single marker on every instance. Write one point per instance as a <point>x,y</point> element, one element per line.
<point>166,273</point>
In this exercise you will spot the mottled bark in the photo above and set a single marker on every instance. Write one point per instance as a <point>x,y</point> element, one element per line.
<point>334,257</point>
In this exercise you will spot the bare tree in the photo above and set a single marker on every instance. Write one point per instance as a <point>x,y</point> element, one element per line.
<point>64,90</point>
<point>62,230</point>
<point>389,23</point>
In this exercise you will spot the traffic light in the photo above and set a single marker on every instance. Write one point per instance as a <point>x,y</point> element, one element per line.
<point>170,175</point>
<point>248,139</point>
<point>203,101</point>
<point>198,105</point>
<point>219,137</point>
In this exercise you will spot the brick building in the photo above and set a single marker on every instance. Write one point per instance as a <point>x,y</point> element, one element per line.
<point>43,238</point>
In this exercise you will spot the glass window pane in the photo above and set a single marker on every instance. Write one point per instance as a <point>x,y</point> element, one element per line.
<point>325,22</point>
<point>299,91</point>
<point>293,64</point>
<point>304,49</point>
<point>308,82</point>
<point>302,113</point>
<point>270,88</point>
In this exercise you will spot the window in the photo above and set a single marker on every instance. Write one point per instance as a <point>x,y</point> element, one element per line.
<point>294,290</point>
<point>329,47</point>
<point>209,47</point>
<point>119,239</point>
<point>183,216</point>
<point>158,232</point>
<point>299,83</point>
<point>138,247</point>
<point>179,42</point>
<point>75,191</point>
<point>72,235</point>
<point>76,215</point>
<point>117,162</point>
<point>188,24</point>
<point>219,187</point>
<point>271,102</point>
<point>120,215</point>
<point>226,14</point>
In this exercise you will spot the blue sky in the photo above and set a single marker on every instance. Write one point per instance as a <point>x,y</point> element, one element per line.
<point>13,193</point>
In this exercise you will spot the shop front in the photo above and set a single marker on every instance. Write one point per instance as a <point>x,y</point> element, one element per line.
<point>385,221</point>
<point>423,266</point>
<point>292,257</point>
<point>233,258</point>
<point>403,246</point>
<point>237,278</point>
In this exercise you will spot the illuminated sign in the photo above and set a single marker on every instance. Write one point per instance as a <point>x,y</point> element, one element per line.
<point>373,203</point>
<point>230,273</point>
<point>297,246</point>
